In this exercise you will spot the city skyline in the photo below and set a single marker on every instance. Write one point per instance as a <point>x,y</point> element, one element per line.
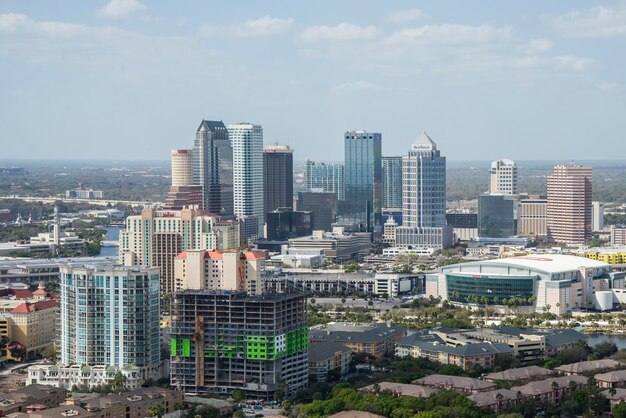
<point>532,68</point>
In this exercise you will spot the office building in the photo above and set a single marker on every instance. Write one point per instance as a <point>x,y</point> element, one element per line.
<point>362,208</point>
<point>83,193</point>
<point>323,207</point>
<point>183,193</point>
<point>220,270</point>
<point>497,216</point>
<point>277,177</point>
<point>503,178</point>
<point>375,339</point>
<point>110,316</point>
<point>597,216</point>
<point>325,177</point>
<point>464,225</point>
<point>392,182</point>
<point>336,246</point>
<point>222,341</point>
<point>283,223</point>
<point>617,235</point>
<point>532,217</point>
<point>247,142</point>
<point>155,237</point>
<point>389,231</point>
<point>182,167</point>
<point>569,204</point>
<point>213,166</point>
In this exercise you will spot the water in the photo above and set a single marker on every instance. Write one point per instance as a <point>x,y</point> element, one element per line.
<point>618,340</point>
<point>112,234</point>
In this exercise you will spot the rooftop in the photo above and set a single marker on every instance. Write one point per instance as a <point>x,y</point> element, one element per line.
<point>454,382</point>
<point>346,332</point>
<point>521,373</point>
<point>550,263</point>
<point>326,350</point>
<point>544,386</point>
<point>491,397</point>
<point>615,376</point>
<point>403,389</point>
<point>589,366</point>
<point>434,343</point>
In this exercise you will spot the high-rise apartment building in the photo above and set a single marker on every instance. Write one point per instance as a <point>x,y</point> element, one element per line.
<point>392,182</point>
<point>362,208</point>
<point>222,341</point>
<point>503,177</point>
<point>156,237</point>
<point>424,197</point>
<point>213,166</point>
<point>277,177</point>
<point>327,177</point>
<point>532,217</point>
<point>220,270</point>
<point>110,316</point>
<point>569,204</point>
<point>597,216</point>
<point>247,142</point>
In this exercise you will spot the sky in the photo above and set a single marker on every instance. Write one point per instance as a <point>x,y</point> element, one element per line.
<point>132,79</point>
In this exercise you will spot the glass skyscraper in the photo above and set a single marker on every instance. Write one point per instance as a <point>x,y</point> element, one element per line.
<point>362,208</point>
<point>327,177</point>
<point>392,182</point>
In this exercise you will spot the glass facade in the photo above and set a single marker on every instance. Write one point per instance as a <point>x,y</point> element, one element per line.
<point>362,208</point>
<point>497,216</point>
<point>327,177</point>
<point>392,182</point>
<point>474,288</point>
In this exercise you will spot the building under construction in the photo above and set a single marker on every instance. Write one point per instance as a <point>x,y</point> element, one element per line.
<point>224,340</point>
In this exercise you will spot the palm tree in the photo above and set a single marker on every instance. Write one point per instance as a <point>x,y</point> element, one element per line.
<point>555,389</point>
<point>156,410</point>
<point>118,383</point>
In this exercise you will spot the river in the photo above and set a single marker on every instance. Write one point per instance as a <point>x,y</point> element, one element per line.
<point>618,340</point>
<point>112,234</point>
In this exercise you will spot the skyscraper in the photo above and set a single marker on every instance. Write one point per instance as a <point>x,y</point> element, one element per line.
<point>424,197</point>
<point>277,177</point>
<point>322,205</point>
<point>183,192</point>
<point>569,204</point>
<point>110,316</point>
<point>182,167</point>
<point>247,142</point>
<point>392,182</point>
<point>213,166</point>
<point>503,177</point>
<point>362,208</point>
<point>327,177</point>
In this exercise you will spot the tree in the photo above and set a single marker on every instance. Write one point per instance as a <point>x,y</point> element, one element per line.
<point>238,395</point>
<point>312,301</point>
<point>156,411</point>
<point>620,410</point>
<point>118,383</point>
<point>18,352</point>
<point>4,341</point>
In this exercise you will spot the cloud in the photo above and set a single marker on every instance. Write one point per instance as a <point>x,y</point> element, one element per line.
<point>597,22</point>
<point>357,87</point>
<point>572,62</point>
<point>450,34</point>
<point>612,86</point>
<point>16,23</point>
<point>122,9</point>
<point>263,26</point>
<point>538,46</point>
<point>342,32</point>
<point>409,15</point>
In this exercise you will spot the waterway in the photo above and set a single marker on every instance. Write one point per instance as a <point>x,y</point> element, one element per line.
<point>112,234</point>
<point>618,340</point>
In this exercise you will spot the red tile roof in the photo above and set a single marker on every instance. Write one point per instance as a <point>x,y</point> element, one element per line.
<point>27,307</point>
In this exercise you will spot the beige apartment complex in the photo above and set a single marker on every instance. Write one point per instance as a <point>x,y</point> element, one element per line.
<point>569,204</point>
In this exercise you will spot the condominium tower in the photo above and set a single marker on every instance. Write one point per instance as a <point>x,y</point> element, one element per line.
<point>213,166</point>
<point>155,237</point>
<point>503,177</point>
<point>277,177</point>
<point>392,182</point>
<point>110,316</point>
<point>569,204</point>
<point>327,177</point>
<point>222,341</point>
<point>247,142</point>
<point>362,208</point>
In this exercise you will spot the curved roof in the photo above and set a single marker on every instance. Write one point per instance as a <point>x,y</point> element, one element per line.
<point>551,263</point>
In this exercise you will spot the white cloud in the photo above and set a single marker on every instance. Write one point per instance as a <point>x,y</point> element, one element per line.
<point>612,86</point>
<point>450,34</point>
<point>357,87</point>
<point>410,15</point>
<point>538,46</point>
<point>572,62</point>
<point>122,9</point>
<point>342,32</point>
<point>597,22</point>
<point>19,23</point>
<point>263,26</point>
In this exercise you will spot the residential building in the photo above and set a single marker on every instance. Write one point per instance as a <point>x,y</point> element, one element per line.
<point>220,270</point>
<point>18,400</point>
<point>33,327</point>
<point>503,178</point>
<point>277,177</point>
<point>424,198</point>
<point>614,379</point>
<point>83,193</point>
<point>615,396</point>
<point>247,142</point>
<point>593,366</point>
<point>110,316</point>
<point>375,338</point>
<point>328,178</point>
<point>225,340</point>
<point>532,216</point>
<point>597,216</point>
<point>392,182</point>
<point>401,389</point>
<point>569,204</point>
<point>213,167</point>
<point>323,207</point>
<point>495,400</point>
<point>497,217</point>
<point>336,246</point>
<point>325,358</point>
<point>362,208</point>
<point>155,237</point>
<point>551,390</point>
<point>85,377</point>
<point>519,375</point>
<point>617,236</point>
<point>460,384</point>
<point>284,223</point>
